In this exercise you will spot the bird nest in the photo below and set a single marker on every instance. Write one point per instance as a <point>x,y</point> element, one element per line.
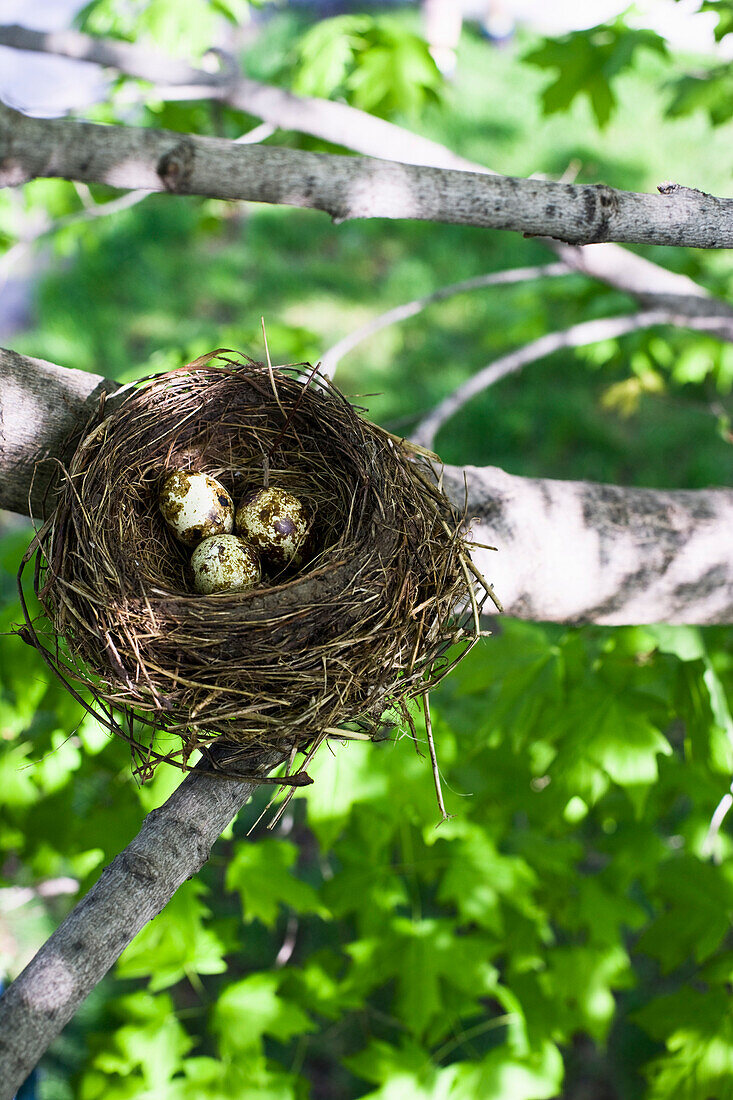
<point>380,610</point>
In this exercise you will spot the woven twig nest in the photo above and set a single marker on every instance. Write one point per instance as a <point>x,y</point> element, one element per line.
<point>363,626</point>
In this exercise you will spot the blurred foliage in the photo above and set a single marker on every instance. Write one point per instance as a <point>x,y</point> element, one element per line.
<point>184,30</point>
<point>568,928</point>
<point>372,61</point>
<point>587,62</point>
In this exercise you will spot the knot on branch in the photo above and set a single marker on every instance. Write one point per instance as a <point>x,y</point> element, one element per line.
<point>600,205</point>
<point>139,866</point>
<point>176,166</point>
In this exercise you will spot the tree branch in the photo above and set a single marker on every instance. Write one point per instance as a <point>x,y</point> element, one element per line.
<point>43,408</point>
<point>587,332</point>
<point>652,285</point>
<point>349,187</point>
<point>336,123</point>
<point>333,356</point>
<point>580,552</point>
<point>173,844</point>
<point>568,551</point>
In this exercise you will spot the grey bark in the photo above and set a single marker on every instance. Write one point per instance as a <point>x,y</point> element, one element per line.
<point>349,187</point>
<point>567,551</point>
<point>652,285</point>
<point>173,844</point>
<point>333,122</point>
<point>579,552</point>
<point>42,410</point>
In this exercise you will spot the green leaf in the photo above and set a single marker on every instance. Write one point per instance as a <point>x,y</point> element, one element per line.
<point>326,53</point>
<point>16,784</point>
<point>479,881</point>
<point>697,1028</point>
<point>375,61</point>
<point>176,943</point>
<point>574,989</point>
<point>249,1009</point>
<point>710,93</point>
<point>263,876</point>
<point>151,1046</point>
<point>586,62</point>
<point>343,777</point>
<point>501,1075</point>
<point>405,1071</point>
<point>696,909</point>
<point>608,733</point>
<point>514,679</point>
<point>685,642</point>
<point>432,968</point>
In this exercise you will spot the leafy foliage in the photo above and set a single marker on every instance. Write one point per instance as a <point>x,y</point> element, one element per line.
<point>588,61</point>
<point>571,921</point>
<point>373,61</point>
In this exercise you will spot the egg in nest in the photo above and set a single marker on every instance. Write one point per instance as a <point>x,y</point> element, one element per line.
<point>196,506</point>
<point>224,563</point>
<point>276,523</point>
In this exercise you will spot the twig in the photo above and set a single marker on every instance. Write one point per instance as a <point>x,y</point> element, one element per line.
<point>434,759</point>
<point>719,815</point>
<point>332,357</point>
<point>587,332</point>
<point>98,210</point>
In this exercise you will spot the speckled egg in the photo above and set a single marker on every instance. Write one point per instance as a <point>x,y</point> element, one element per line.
<point>225,563</point>
<point>276,523</point>
<point>196,506</point>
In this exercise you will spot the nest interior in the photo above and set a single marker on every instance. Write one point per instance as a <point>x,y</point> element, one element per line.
<point>364,625</point>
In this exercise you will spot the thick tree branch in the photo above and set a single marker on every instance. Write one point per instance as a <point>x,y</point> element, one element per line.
<point>42,410</point>
<point>336,123</point>
<point>587,332</point>
<point>172,845</point>
<point>652,285</point>
<point>568,551</point>
<point>579,552</point>
<point>348,187</point>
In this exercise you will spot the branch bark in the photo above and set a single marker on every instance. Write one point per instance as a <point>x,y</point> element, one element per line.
<point>652,285</point>
<point>42,410</point>
<point>568,551</point>
<point>349,187</point>
<point>578,552</point>
<point>173,844</point>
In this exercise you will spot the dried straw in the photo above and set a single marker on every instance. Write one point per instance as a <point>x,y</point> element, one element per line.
<point>363,627</point>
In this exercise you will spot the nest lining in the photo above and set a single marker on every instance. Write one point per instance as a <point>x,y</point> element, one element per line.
<point>363,626</point>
